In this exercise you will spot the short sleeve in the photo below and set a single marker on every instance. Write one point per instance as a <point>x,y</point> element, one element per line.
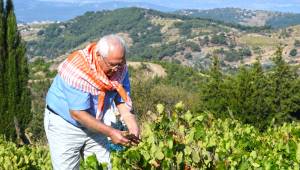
<point>76,99</point>
<point>126,85</point>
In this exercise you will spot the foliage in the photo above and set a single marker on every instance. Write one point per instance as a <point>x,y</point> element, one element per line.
<point>232,55</point>
<point>184,77</point>
<point>181,139</point>
<point>297,43</point>
<point>253,95</point>
<point>293,52</point>
<point>3,96</point>
<point>188,56</point>
<point>245,52</point>
<point>194,46</point>
<point>185,140</point>
<point>59,38</point>
<point>181,83</point>
<point>91,163</point>
<point>219,39</point>
<point>284,87</point>
<point>212,89</point>
<point>35,128</point>
<point>15,114</point>
<point>13,157</point>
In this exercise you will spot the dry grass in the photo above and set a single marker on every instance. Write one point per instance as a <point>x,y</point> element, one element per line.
<point>257,40</point>
<point>152,69</point>
<point>170,33</point>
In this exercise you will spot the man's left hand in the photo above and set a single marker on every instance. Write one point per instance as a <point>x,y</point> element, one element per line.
<point>129,119</point>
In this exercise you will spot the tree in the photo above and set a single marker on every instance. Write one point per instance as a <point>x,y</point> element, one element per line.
<point>297,43</point>
<point>206,40</point>
<point>248,97</point>
<point>293,52</point>
<point>2,63</point>
<point>219,39</point>
<point>284,88</point>
<point>18,96</point>
<point>213,91</point>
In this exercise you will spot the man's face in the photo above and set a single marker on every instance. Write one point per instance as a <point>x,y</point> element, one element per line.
<point>114,61</point>
<point>111,65</point>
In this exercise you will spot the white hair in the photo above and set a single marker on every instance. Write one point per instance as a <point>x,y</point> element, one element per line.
<point>103,46</point>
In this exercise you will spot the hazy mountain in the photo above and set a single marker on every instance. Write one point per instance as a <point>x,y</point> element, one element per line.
<point>34,10</point>
<point>246,17</point>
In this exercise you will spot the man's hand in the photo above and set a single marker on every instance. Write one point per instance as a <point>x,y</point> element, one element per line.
<point>129,119</point>
<point>132,138</point>
<point>117,137</point>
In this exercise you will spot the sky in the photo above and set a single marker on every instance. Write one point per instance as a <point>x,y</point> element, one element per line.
<point>273,5</point>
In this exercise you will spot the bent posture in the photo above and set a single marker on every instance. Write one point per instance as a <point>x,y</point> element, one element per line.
<point>88,84</point>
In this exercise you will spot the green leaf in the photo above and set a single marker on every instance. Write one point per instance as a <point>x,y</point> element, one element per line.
<point>170,143</point>
<point>195,157</point>
<point>256,165</point>
<point>181,129</point>
<point>145,154</point>
<point>153,150</point>
<point>92,162</point>
<point>179,157</point>
<point>159,155</point>
<point>298,153</point>
<point>179,106</point>
<point>188,116</point>
<point>160,108</point>
<point>133,155</point>
<point>187,150</point>
<point>253,154</point>
<point>190,137</point>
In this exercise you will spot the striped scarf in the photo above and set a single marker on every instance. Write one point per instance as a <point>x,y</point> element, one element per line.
<point>82,71</point>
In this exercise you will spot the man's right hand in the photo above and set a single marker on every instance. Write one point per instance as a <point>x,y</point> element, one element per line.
<point>90,122</point>
<point>117,137</point>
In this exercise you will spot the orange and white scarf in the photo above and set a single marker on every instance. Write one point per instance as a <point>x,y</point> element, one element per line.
<point>82,71</point>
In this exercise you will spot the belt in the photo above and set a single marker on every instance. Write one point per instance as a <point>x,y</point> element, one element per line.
<point>49,108</point>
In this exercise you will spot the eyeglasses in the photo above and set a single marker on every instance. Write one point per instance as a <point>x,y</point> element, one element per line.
<point>113,66</point>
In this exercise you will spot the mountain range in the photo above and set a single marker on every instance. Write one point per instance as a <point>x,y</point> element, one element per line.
<point>37,10</point>
<point>246,17</point>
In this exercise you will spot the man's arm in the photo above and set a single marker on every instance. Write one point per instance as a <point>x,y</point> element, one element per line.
<point>90,122</point>
<point>129,119</point>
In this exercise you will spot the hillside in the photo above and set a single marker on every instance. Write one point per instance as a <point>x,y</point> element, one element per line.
<point>153,35</point>
<point>246,17</point>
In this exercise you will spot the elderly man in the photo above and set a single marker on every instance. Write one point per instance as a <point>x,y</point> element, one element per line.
<point>89,82</point>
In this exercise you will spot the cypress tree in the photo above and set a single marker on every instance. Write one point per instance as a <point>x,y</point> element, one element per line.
<point>260,109</point>
<point>3,97</point>
<point>284,88</point>
<point>250,94</point>
<point>24,104</point>
<point>18,104</point>
<point>213,91</point>
<point>12,75</point>
<point>241,92</point>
